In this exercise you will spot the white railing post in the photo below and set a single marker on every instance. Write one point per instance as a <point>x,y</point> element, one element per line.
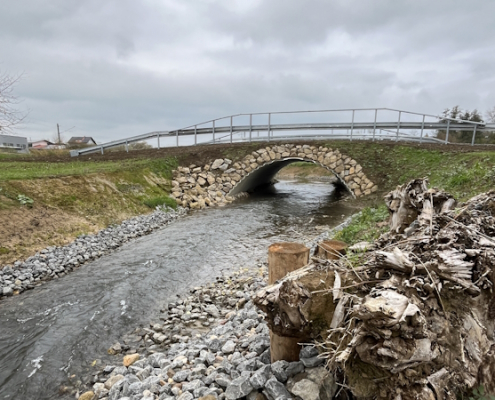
<point>250,126</point>
<point>374,124</point>
<point>398,127</point>
<point>158,140</point>
<point>177,138</point>
<point>447,133</point>
<point>422,129</point>
<point>352,124</point>
<point>126,146</point>
<point>269,125</point>
<point>474,134</point>
<point>231,129</point>
<point>195,135</point>
<point>101,149</point>
<point>213,131</point>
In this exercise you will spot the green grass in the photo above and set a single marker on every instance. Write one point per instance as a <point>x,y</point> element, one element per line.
<point>153,202</point>
<point>8,156</point>
<point>66,200</point>
<point>163,166</point>
<point>238,152</point>
<point>461,174</point>
<point>13,170</point>
<point>363,226</point>
<point>304,164</point>
<point>478,393</point>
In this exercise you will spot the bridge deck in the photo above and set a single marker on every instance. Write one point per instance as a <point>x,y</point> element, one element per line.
<point>211,132</point>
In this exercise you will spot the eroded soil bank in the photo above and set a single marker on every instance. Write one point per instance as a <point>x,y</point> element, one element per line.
<point>64,208</point>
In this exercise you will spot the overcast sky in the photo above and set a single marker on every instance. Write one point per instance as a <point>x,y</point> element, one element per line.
<point>118,68</point>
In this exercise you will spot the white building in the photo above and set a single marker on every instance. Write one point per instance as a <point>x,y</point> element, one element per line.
<point>18,143</point>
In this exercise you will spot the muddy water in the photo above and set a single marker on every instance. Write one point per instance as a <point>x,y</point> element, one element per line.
<point>60,328</point>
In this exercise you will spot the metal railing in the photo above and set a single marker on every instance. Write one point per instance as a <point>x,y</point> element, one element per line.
<point>351,129</point>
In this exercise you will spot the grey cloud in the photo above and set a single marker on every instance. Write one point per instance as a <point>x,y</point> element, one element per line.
<point>118,68</point>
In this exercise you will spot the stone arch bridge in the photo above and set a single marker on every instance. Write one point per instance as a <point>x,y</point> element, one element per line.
<point>221,180</point>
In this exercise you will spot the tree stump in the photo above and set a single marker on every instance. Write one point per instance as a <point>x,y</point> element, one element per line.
<point>331,249</point>
<point>282,259</point>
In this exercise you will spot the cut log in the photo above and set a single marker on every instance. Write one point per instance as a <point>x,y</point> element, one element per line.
<point>284,348</point>
<point>299,304</point>
<point>331,249</point>
<point>282,259</point>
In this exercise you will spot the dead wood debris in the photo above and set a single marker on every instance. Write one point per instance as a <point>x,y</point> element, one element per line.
<point>415,318</point>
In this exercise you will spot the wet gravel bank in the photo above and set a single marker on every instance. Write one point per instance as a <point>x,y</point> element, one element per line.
<point>211,344</point>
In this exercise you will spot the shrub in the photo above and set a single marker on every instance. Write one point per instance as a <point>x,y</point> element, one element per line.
<point>24,200</point>
<point>153,202</point>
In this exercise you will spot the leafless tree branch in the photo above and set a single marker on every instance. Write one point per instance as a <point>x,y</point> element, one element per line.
<point>10,116</point>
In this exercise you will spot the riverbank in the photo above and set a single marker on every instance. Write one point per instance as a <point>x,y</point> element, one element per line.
<point>212,342</point>
<point>57,261</point>
<point>49,198</point>
<point>51,203</point>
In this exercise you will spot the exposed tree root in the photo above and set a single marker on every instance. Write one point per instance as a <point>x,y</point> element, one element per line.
<point>416,319</point>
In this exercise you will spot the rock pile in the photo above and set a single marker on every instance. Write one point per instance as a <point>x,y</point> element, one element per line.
<point>186,360</point>
<point>198,187</point>
<point>54,262</point>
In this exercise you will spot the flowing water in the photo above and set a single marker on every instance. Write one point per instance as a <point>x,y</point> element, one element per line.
<point>60,328</point>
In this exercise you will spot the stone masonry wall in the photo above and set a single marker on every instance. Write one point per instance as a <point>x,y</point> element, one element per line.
<point>202,186</point>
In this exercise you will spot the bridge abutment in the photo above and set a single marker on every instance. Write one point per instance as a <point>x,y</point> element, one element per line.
<point>221,180</point>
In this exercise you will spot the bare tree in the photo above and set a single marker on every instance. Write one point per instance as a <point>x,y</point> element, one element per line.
<point>10,116</point>
<point>490,115</point>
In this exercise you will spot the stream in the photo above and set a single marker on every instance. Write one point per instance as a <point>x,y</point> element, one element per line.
<point>60,328</point>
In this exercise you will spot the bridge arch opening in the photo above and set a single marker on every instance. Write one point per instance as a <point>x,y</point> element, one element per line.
<point>265,175</point>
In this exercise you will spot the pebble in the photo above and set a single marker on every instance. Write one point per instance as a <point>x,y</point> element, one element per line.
<point>130,359</point>
<point>112,381</point>
<point>87,396</point>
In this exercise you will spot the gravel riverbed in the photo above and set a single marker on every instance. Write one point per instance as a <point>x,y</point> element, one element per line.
<point>55,262</point>
<point>211,344</point>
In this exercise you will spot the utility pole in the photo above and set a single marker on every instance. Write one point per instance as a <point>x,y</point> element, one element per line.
<point>58,133</point>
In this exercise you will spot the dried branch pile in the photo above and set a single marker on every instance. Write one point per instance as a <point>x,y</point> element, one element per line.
<point>413,316</point>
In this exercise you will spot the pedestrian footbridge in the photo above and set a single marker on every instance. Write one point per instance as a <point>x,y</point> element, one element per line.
<point>342,124</point>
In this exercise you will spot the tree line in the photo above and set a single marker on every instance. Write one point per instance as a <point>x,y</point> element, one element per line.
<point>465,136</point>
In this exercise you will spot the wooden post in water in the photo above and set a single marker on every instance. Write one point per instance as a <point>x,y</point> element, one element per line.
<point>282,259</point>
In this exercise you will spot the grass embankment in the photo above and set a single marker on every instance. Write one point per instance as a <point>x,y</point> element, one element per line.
<point>45,203</point>
<point>461,174</point>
